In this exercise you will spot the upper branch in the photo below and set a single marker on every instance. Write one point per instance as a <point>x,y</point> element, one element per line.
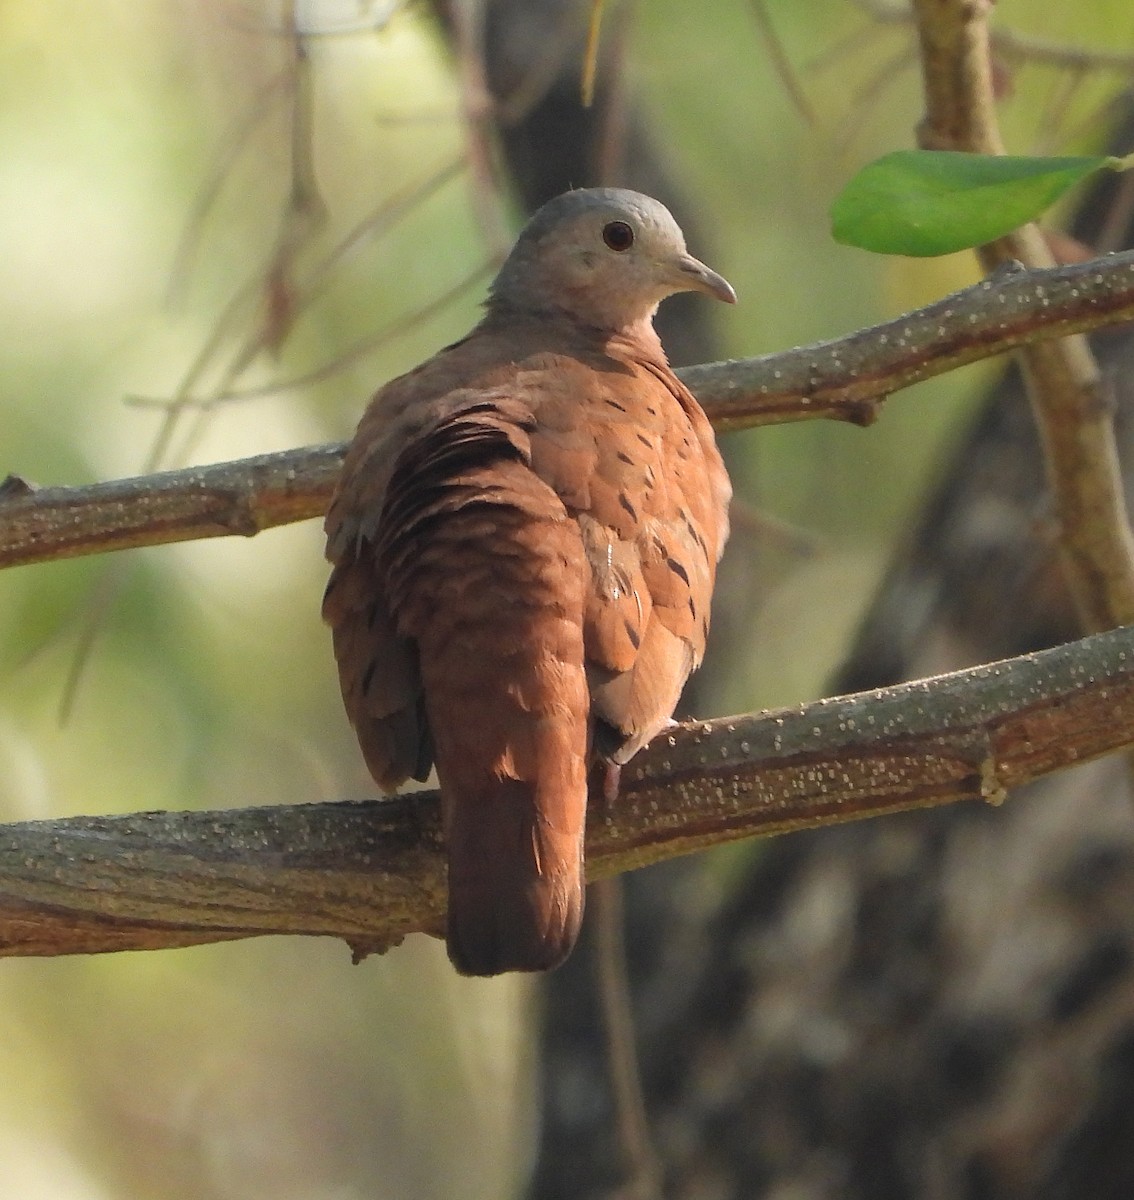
<point>844,379</point>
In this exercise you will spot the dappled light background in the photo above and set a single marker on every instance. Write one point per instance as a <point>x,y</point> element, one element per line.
<point>146,168</point>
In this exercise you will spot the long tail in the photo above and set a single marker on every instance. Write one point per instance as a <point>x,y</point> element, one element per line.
<point>515,879</point>
<point>486,572</point>
<point>493,595</point>
<point>507,701</point>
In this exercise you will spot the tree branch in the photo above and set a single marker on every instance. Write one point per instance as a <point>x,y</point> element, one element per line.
<point>243,497</point>
<point>1021,47</point>
<point>1070,401</point>
<point>844,379</point>
<point>372,872</point>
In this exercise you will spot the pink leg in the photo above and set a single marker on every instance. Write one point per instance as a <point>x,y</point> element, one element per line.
<point>611,777</point>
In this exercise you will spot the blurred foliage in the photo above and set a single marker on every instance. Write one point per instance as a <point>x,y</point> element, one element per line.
<point>275,1069</point>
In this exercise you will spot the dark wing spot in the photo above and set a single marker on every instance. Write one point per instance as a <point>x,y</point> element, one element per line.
<point>622,456</point>
<point>624,500</point>
<point>695,533</point>
<point>678,569</point>
<point>645,441</point>
<point>632,634</point>
<point>615,404</point>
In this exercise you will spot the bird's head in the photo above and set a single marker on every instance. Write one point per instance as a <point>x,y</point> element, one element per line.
<point>606,256</point>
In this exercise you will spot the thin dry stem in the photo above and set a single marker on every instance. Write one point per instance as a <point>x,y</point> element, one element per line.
<point>1020,47</point>
<point>640,1162</point>
<point>1071,404</point>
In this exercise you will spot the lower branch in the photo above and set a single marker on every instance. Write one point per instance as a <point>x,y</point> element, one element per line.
<point>371,872</point>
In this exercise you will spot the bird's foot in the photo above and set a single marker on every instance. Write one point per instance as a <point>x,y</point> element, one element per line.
<point>611,778</point>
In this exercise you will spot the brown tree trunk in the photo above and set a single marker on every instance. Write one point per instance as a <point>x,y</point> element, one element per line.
<point>935,1005</point>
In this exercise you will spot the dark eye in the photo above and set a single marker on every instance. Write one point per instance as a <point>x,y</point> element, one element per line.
<point>618,236</point>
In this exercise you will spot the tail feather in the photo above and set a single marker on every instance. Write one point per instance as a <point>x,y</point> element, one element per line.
<point>515,879</point>
<point>487,574</point>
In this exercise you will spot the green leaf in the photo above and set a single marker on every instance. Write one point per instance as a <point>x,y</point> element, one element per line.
<point>927,202</point>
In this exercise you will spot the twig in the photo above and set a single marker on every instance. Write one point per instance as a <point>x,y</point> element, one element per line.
<point>781,61</point>
<point>1069,400</point>
<point>1022,47</point>
<point>476,113</point>
<point>640,1162</point>
<point>225,159</point>
<point>344,357</point>
<point>372,872</point>
<point>844,379</point>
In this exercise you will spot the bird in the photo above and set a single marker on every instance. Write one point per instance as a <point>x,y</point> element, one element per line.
<point>524,540</point>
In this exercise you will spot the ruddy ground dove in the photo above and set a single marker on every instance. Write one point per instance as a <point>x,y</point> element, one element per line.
<point>524,538</point>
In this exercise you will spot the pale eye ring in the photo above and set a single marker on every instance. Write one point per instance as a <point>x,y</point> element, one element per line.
<point>618,236</point>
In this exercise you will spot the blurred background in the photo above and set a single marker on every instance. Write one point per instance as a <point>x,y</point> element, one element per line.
<point>218,236</point>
